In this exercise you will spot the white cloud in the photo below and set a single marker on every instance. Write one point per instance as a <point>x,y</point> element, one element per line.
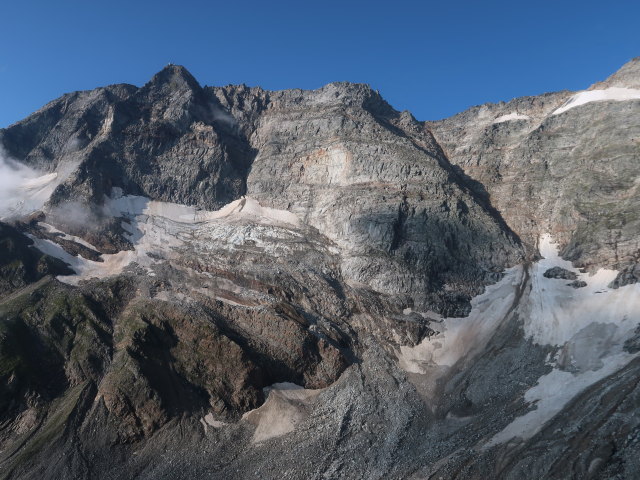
<point>23,190</point>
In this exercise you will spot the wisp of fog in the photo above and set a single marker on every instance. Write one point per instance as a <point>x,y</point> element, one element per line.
<point>22,189</point>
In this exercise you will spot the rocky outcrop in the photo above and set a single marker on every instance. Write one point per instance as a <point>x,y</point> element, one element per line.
<point>21,264</point>
<point>627,276</point>
<point>627,77</point>
<point>561,273</point>
<point>376,183</point>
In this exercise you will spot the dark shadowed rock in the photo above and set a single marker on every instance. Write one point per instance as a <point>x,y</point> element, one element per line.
<point>21,264</point>
<point>561,273</point>
<point>627,276</point>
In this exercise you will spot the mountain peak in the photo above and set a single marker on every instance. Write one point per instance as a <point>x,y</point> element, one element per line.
<point>175,77</point>
<point>628,76</point>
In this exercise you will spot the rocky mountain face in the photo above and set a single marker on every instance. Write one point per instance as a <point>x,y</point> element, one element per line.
<point>412,226</point>
<point>228,282</point>
<point>571,171</point>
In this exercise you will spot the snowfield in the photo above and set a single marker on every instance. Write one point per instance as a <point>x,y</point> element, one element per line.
<point>559,312</point>
<point>618,94</point>
<point>588,325</point>
<point>511,116</point>
<point>245,207</point>
<point>287,405</point>
<point>156,229</point>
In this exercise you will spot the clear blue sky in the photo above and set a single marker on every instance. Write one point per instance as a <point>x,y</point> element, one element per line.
<point>432,58</point>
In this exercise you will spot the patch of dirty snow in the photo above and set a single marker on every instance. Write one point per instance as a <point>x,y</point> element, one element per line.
<point>286,407</point>
<point>609,94</point>
<point>459,337</point>
<point>245,207</point>
<point>511,116</point>
<point>66,236</point>
<point>84,268</point>
<point>552,392</point>
<point>250,208</point>
<point>209,421</point>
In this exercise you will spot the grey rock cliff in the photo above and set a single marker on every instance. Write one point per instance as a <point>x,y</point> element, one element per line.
<point>573,174</point>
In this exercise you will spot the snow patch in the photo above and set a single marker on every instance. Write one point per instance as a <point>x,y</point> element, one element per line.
<point>209,421</point>
<point>618,94</point>
<point>65,236</point>
<point>591,325</point>
<point>559,312</point>
<point>511,116</point>
<point>551,394</point>
<point>245,207</point>
<point>287,406</point>
<point>84,268</point>
<point>459,337</point>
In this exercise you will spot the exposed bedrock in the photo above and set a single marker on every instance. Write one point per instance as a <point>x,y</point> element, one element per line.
<point>571,170</point>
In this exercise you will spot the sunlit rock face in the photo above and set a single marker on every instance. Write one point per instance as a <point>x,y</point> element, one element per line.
<point>571,167</point>
<point>228,282</point>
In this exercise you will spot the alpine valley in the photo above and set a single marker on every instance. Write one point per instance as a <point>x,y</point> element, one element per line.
<point>234,283</point>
